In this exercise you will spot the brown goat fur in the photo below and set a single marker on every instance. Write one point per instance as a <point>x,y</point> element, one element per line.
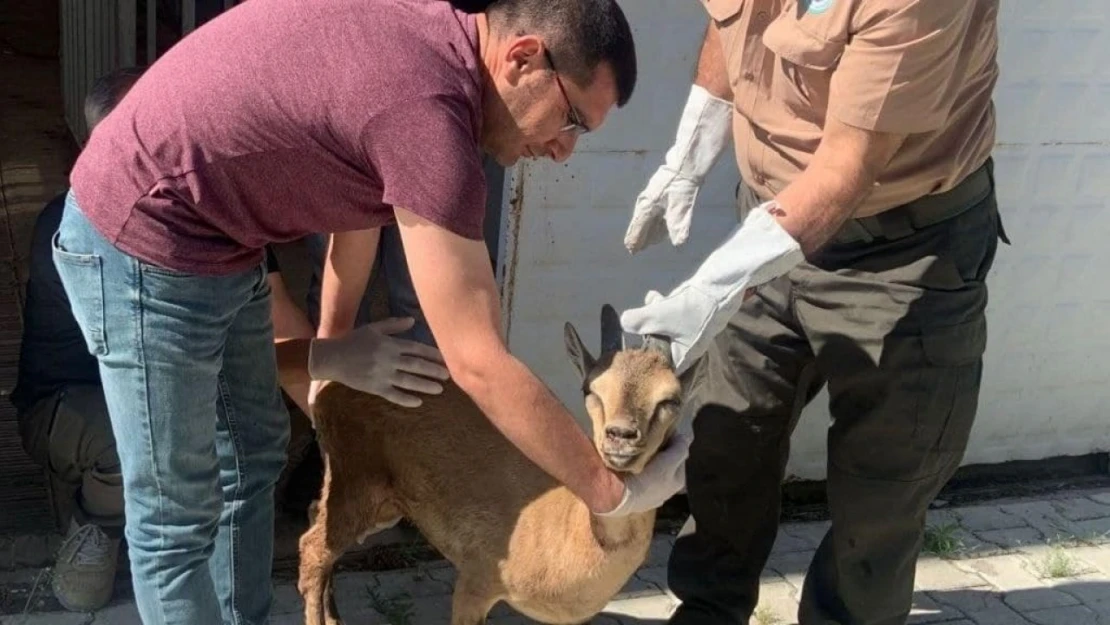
<point>512,532</point>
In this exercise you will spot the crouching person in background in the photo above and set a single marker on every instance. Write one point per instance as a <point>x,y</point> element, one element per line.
<point>63,420</point>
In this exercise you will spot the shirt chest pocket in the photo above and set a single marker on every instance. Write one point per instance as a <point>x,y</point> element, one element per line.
<point>803,62</point>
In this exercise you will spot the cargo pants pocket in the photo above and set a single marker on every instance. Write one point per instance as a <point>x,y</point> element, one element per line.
<point>954,369</point>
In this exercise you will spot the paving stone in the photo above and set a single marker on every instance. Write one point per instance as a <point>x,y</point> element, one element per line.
<point>1022,590</point>
<point>284,619</point>
<point>411,581</point>
<point>1071,615</point>
<point>998,616</point>
<point>1101,497</point>
<point>971,546</point>
<point>809,533</point>
<point>1094,530</point>
<point>32,550</point>
<point>1057,562</point>
<point>791,566</point>
<point>1044,517</point>
<point>121,614</point>
<point>926,610</point>
<point>970,600</point>
<point>287,600</point>
<point>354,586</point>
<point>638,587</point>
<point>787,543</point>
<point>1081,508</point>
<point>984,518</point>
<point>1099,557</point>
<point>656,575</point>
<point>1014,538</point>
<point>660,551</point>
<point>777,603</point>
<point>1038,598</point>
<point>444,572</point>
<point>936,574</point>
<point>1090,589</point>
<point>939,517</point>
<point>657,607</point>
<point>46,618</point>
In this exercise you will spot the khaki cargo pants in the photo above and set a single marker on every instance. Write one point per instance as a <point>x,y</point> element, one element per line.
<point>891,317</point>
<point>70,435</point>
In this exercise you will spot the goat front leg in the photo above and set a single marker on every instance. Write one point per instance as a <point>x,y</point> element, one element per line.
<point>335,527</point>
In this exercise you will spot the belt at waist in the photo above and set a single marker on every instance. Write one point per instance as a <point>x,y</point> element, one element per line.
<point>921,213</point>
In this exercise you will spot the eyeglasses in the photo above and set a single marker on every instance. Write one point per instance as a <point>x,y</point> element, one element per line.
<point>576,125</point>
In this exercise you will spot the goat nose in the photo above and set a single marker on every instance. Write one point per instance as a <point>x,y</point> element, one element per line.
<point>622,432</point>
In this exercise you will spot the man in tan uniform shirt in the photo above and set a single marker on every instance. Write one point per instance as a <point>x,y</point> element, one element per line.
<point>863,131</point>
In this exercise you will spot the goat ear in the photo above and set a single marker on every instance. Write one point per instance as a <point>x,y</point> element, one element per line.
<point>612,334</point>
<point>661,344</point>
<point>579,356</point>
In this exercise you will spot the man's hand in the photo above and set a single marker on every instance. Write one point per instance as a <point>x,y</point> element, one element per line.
<point>666,205</point>
<point>692,315</point>
<point>369,359</point>
<point>662,478</point>
<point>841,175</point>
<point>703,133</point>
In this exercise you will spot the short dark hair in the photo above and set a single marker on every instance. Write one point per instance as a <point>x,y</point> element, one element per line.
<point>107,92</point>
<point>581,35</point>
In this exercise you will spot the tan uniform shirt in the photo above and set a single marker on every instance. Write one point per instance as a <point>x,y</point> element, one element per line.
<point>922,67</point>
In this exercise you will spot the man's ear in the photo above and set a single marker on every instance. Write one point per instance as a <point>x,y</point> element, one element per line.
<point>523,54</point>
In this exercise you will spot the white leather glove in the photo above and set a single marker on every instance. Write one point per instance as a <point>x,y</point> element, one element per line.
<point>368,359</point>
<point>662,478</point>
<point>692,315</point>
<point>703,132</point>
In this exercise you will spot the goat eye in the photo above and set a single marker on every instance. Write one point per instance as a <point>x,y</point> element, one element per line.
<point>667,404</point>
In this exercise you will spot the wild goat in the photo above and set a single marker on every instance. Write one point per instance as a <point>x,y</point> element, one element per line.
<point>512,532</point>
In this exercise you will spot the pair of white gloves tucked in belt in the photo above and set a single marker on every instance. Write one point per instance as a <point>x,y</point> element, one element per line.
<point>755,252</point>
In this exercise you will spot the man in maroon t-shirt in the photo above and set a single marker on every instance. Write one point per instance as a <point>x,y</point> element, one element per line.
<point>281,118</point>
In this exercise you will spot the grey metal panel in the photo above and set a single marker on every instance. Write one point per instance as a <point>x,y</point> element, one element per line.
<point>188,16</point>
<point>151,30</point>
<point>128,31</point>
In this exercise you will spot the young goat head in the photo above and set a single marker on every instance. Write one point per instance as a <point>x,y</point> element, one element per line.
<point>633,397</point>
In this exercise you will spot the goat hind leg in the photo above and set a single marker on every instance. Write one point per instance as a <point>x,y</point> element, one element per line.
<point>472,600</point>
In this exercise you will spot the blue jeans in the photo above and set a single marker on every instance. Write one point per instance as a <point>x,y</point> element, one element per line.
<point>190,379</point>
<point>393,268</point>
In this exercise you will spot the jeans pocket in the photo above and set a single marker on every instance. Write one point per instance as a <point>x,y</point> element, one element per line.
<point>83,278</point>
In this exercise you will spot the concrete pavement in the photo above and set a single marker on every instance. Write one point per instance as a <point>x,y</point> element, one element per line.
<point>1044,561</point>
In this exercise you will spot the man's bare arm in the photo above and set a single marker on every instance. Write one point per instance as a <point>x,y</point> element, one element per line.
<point>843,170</point>
<point>347,266</point>
<point>712,71</point>
<point>455,283</point>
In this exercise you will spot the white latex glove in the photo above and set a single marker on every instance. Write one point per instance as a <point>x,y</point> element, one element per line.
<point>668,199</point>
<point>368,359</point>
<point>662,478</point>
<point>692,315</point>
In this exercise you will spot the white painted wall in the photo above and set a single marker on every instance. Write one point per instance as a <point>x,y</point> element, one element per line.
<point>1046,390</point>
